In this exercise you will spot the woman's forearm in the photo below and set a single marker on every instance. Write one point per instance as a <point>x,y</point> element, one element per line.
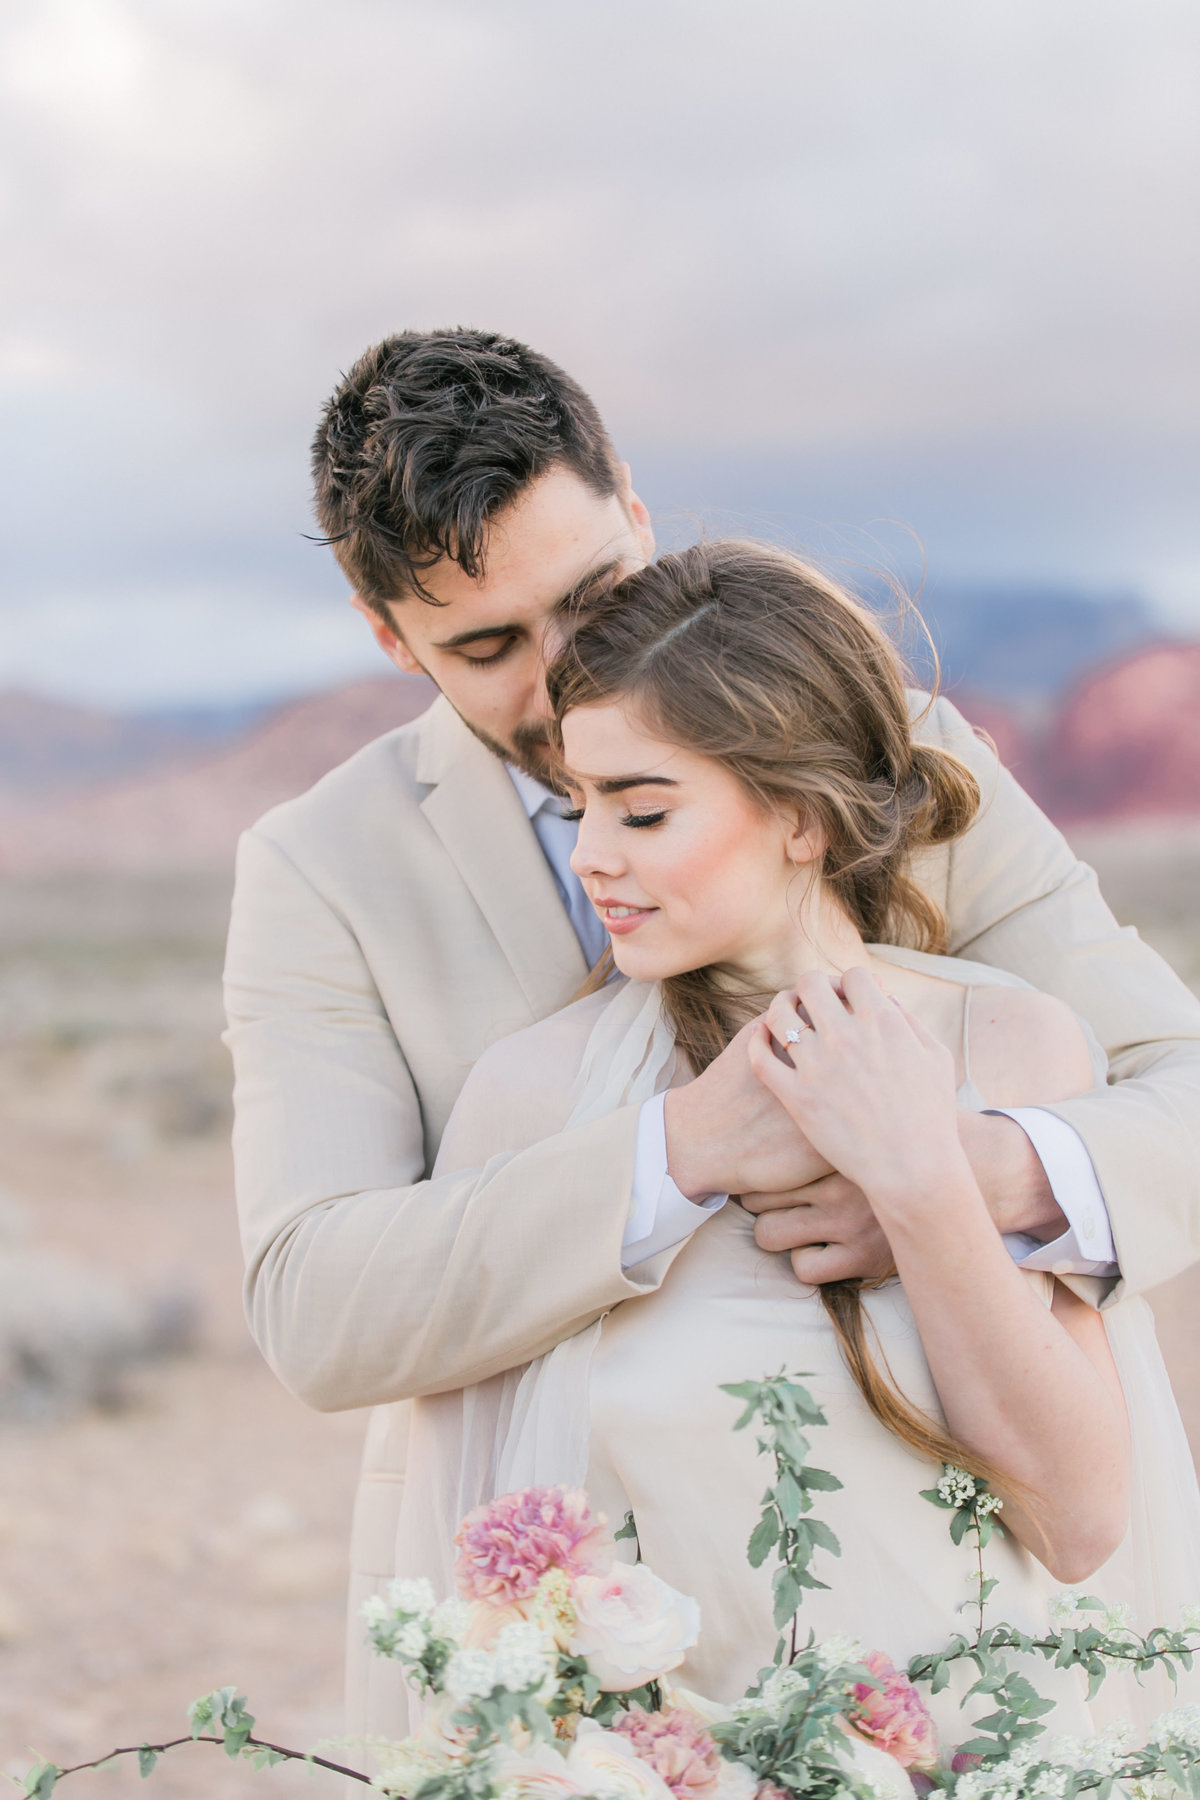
<point>1014,1384</point>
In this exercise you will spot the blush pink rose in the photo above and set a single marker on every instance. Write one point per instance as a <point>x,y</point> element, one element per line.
<point>603,1762</point>
<point>506,1547</point>
<point>631,1626</point>
<point>894,1716</point>
<point>676,1744</point>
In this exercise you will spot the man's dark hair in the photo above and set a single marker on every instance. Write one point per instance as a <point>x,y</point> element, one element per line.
<point>428,436</point>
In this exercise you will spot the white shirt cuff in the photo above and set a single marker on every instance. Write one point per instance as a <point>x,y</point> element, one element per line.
<point>659,1215</point>
<point>1086,1247</point>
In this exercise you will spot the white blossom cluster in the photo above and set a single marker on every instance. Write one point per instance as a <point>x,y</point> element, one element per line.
<point>1189,1618</point>
<point>1038,1771</point>
<point>521,1661</point>
<point>1064,1605</point>
<point>956,1486</point>
<point>773,1696</point>
<point>1181,1727</point>
<point>402,1600</point>
<point>838,1649</point>
<point>988,1503</point>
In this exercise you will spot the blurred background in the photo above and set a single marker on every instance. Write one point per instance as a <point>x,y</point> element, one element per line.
<point>914,288</point>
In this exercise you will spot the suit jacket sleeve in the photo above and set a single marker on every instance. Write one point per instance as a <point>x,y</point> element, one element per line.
<point>366,1282</point>
<point>1017,897</point>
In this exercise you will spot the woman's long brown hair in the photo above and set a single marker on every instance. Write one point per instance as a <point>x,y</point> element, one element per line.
<point>751,657</point>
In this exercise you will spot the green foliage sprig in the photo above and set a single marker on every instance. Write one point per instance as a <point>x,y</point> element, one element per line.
<point>789,1732</point>
<point>786,1526</point>
<point>233,1727</point>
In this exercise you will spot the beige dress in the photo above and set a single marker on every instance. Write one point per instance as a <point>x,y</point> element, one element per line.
<point>633,1407</point>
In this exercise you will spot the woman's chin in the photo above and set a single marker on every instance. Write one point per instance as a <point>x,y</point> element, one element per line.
<point>643,962</point>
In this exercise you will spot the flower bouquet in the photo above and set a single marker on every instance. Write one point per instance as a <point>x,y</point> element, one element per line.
<point>548,1675</point>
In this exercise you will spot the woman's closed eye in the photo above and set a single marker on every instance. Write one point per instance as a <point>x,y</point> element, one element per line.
<point>636,820</point>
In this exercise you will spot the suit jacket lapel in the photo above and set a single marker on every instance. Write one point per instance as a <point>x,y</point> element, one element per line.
<point>478,815</point>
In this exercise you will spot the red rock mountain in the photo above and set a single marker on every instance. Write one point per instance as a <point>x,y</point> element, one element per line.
<point>190,817</point>
<point>1126,742</point>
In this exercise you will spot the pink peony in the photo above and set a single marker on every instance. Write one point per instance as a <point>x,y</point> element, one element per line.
<point>505,1548</point>
<point>678,1746</point>
<point>894,1716</point>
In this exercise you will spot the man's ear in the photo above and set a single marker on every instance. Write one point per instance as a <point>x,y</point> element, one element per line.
<point>387,637</point>
<point>638,512</point>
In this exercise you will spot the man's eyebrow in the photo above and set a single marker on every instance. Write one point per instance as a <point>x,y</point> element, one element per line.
<point>483,632</point>
<point>478,636</point>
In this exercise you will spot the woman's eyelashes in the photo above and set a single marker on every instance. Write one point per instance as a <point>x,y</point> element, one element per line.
<point>637,820</point>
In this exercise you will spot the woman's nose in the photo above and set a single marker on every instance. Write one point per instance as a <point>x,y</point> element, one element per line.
<point>595,851</point>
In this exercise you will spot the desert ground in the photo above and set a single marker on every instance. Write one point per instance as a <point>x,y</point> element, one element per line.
<point>185,1526</point>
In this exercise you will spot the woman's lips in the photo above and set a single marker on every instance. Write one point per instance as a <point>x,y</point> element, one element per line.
<point>620,918</point>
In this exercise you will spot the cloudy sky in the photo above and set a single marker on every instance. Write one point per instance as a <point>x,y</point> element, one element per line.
<point>896,280</point>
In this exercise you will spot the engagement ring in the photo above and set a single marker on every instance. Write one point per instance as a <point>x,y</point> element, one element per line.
<point>793,1036</point>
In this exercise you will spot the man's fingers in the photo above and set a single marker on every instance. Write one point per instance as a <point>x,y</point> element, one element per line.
<point>788,1228</point>
<point>819,1263</point>
<point>761,1203</point>
<point>825,1262</point>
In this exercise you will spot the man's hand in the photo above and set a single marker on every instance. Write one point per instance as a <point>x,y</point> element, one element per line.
<point>828,1227</point>
<point>833,1235</point>
<point>727,1135</point>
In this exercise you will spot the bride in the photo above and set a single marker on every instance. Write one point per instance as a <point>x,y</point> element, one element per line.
<point>735,732</point>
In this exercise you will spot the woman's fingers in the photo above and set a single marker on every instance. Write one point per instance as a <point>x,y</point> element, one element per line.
<point>862,990</point>
<point>769,1065</point>
<point>787,1021</point>
<point>821,1001</point>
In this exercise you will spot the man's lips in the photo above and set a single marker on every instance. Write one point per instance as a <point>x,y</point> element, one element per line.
<point>620,917</point>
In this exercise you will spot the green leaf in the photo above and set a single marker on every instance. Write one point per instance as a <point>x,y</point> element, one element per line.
<point>763,1539</point>
<point>786,1589</point>
<point>822,1535</point>
<point>147,1759</point>
<point>200,1714</point>
<point>628,1529</point>
<point>959,1524</point>
<point>263,1759</point>
<point>39,1783</point>
<point>821,1478</point>
<point>789,1497</point>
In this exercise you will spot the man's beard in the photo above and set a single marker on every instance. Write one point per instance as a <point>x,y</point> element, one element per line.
<point>531,751</point>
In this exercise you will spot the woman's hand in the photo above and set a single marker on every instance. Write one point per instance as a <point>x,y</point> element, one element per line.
<point>871,1089</point>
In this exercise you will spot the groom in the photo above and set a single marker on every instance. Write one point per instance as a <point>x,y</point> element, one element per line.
<point>418,904</point>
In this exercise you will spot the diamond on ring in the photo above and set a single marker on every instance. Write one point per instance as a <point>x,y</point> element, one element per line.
<point>792,1036</point>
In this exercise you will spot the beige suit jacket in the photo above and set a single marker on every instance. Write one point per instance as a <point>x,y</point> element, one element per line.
<point>400,917</point>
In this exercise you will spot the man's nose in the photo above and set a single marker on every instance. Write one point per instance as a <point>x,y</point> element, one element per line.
<point>553,638</point>
<point>539,700</point>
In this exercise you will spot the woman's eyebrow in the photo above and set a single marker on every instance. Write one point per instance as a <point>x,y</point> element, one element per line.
<point>616,784</point>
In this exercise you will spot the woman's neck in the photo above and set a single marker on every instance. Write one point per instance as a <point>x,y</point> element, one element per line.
<point>820,935</point>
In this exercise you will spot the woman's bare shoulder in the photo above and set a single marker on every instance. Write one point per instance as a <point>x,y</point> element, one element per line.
<point>1026,1047</point>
